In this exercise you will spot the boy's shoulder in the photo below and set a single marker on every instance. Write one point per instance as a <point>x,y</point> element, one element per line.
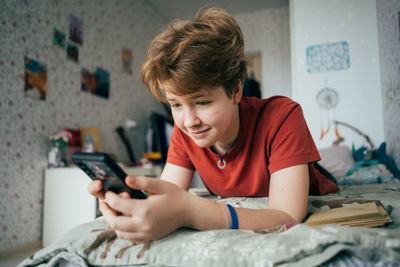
<point>272,105</point>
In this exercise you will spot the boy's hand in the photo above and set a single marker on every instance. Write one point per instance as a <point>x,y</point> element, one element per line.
<point>95,188</point>
<point>141,220</point>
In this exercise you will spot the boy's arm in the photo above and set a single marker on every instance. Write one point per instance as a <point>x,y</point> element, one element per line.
<point>287,203</point>
<point>288,191</point>
<point>170,207</point>
<point>175,174</point>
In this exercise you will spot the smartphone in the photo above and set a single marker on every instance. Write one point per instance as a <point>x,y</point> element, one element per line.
<point>99,166</point>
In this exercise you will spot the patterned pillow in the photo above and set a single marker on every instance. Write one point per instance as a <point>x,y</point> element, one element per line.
<point>337,160</point>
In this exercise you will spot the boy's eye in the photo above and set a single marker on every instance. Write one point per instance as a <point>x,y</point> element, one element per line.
<point>174,105</point>
<point>202,103</point>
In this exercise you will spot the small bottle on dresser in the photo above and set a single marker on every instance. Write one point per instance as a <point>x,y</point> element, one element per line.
<point>88,146</point>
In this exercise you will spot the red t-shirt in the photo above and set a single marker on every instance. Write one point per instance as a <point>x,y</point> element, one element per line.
<point>273,135</point>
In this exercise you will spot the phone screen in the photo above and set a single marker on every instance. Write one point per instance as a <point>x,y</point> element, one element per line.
<point>101,170</point>
<point>100,166</point>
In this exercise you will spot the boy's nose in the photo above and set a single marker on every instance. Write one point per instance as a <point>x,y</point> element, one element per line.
<point>191,119</point>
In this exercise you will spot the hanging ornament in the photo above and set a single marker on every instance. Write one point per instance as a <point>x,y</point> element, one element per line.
<point>327,99</point>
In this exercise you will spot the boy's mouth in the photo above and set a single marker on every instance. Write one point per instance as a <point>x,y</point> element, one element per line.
<point>199,134</point>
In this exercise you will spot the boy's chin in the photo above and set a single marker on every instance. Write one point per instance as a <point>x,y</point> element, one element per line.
<point>202,144</point>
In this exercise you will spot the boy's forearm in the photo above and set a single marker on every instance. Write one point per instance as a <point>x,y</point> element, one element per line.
<point>206,214</point>
<point>262,218</point>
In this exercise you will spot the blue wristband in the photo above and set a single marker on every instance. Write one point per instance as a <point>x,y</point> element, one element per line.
<point>235,221</point>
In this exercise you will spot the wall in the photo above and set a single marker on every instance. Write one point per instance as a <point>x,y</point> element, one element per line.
<point>388,13</point>
<point>316,22</point>
<point>267,31</point>
<point>26,29</point>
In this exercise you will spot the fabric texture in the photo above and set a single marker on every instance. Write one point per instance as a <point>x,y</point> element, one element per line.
<point>94,244</point>
<point>273,135</point>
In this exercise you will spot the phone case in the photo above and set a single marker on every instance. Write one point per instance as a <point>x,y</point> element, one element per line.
<point>99,166</point>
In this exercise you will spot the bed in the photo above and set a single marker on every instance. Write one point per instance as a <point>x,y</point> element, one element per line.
<point>94,244</point>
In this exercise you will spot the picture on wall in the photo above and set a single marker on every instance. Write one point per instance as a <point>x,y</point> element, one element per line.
<point>127,61</point>
<point>75,29</point>
<point>73,52</point>
<point>97,83</point>
<point>328,57</point>
<point>35,79</point>
<point>59,38</point>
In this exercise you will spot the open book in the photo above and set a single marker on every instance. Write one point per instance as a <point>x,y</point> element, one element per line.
<point>366,215</point>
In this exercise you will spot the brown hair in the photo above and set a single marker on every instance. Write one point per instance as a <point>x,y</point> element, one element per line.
<point>206,52</point>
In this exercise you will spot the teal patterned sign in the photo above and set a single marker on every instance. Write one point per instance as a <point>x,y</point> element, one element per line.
<point>328,57</point>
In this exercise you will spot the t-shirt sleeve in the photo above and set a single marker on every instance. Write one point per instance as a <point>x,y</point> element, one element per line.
<point>292,143</point>
<point>177,154</point>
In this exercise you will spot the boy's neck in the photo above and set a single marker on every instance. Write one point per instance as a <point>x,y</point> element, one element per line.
<point>223,148</point>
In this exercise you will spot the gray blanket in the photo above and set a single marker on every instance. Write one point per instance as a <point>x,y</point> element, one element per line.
<point>93,244</point>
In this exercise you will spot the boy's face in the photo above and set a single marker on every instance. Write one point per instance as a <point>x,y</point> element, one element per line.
<point>208,117</point>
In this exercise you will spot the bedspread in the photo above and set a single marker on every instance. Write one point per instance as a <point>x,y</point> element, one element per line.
<point>93,244</point>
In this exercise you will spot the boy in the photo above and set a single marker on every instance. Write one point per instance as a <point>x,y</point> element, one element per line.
<point>239,146</point>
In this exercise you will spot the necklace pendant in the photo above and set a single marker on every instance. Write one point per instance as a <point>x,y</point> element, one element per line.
<point>221,164</point>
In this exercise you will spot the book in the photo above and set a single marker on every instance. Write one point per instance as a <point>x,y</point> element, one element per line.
<point>365,215</point>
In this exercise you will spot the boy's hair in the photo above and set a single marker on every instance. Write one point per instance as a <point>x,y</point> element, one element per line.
<point>206,52</point>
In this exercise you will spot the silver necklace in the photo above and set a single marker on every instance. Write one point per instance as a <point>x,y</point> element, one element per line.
<point>221,161</point>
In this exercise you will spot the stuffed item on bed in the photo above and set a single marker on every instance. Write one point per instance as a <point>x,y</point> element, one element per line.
<point>94,244</point>
<point>370,172</point>
<point>355,168</point>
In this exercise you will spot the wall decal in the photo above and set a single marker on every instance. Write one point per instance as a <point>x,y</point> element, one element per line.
<point>73,52</point>
<point>59,38</point>
<point>328,57</point>
<point>75,29</point>
<point>97,83</point>
<point>127,61</point>
<point>35,79</point>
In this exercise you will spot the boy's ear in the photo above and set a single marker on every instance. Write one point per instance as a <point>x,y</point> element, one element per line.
<point>238,92</point>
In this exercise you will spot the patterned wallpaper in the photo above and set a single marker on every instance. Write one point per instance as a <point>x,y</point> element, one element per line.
<point>388,15</point>
<point>26,30</point>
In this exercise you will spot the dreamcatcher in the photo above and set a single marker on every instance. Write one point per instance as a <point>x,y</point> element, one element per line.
<point>327,99</point>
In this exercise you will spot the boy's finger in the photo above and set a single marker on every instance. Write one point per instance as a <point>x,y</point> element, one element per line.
<point>124,195</point>
<point>119,204</point>
<point>94,188</point>
<point>147,184</point>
